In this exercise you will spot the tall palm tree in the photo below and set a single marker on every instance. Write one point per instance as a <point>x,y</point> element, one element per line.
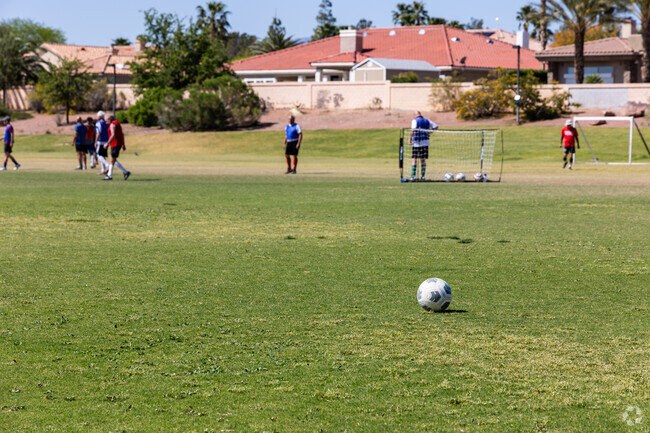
<point>641,9</point>
<point>526,16</point>
<point>580,16</point>
<point>544,33</point>
<point>215,18</point>
<point>403,15</point>
<point>420,14</point>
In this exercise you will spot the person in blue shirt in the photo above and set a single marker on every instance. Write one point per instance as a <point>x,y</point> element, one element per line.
<point>292,141</point>
<point>79,142</point>
<point>421,127</point>
<point>9,143</point>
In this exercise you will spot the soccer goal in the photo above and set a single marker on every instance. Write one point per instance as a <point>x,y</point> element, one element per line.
<point>468,153</point>
<point>629,137</point>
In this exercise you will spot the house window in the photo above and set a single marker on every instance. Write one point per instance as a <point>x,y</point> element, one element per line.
<point>606,73</point>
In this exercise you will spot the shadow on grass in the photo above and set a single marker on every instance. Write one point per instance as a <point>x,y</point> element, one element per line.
<point>452,311</point>
<point>145,180</point>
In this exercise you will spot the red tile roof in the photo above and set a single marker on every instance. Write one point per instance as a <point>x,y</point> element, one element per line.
<point>95,58</point>
<point>439,45</point>
<point>600,47</point>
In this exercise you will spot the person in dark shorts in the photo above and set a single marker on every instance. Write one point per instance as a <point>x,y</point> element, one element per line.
<point>568,141</point>
<point>292,141</point>
<point>90,141</point>
<point>9,143</point>
<point>419,139</point>
<point>116,143</point>
<point>79,142</point>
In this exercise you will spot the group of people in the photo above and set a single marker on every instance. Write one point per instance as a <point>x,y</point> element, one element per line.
<point>94,138</point>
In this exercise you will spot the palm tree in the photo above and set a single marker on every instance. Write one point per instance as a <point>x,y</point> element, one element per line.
<point>420,14</point>
<point>403,15</point>
<point>580,16</point>
<point>641,9</point>
<point>544,32</point>
<point>218,25</point>
<point>276,39</point>
<point>410,15</point>
<point>526,16</point>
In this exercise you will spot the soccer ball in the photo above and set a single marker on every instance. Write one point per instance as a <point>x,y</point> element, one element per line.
<point>460,177</point>
<point>434,294</point>
<point>449,177</point>
<point>480,177</point>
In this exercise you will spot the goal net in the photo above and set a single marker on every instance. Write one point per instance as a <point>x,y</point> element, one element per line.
<point>453,152</point>
<point>613,143</point>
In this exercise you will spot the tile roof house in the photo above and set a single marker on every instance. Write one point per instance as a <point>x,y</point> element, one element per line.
<point>429,51</point>
<point>615,60</point>
<point>96,59</point>
<point>507,37</point>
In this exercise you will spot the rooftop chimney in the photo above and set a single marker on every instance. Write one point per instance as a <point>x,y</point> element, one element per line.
<point>628,28</point>
<point>139,45</point>
<point>522,38</point>
<point>351,40</point>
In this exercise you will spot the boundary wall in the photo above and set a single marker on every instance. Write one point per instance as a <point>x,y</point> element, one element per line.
<point>386,95</point>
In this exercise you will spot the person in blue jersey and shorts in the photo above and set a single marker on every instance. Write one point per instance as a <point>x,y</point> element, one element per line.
<point>419,141</point>
<point>79,142</point>
<point>292,141</point>
<point>9,144</point>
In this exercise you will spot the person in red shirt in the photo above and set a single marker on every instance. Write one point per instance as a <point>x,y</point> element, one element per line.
<point>116,142</point>
<point>90,141</point>
<point>568,142</point>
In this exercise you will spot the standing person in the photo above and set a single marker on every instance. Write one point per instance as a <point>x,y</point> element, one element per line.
<point>419,139</point>
<point>90,141</point>
<point>101,138</point>
<point>568,140</point>
<point>292,141</point>
<point>116,142</point>
<point>9,143</point>
<point>79,142</point>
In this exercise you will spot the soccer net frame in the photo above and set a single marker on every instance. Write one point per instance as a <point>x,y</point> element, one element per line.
<point>468,151</point>
<point>576,124</point>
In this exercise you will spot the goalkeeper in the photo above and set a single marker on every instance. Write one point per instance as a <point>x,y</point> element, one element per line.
<point>419,140</point>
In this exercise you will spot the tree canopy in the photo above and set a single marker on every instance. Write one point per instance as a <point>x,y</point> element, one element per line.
<point>276,39</point>
<point>326,22</point>
<point>18,63</point>
<point>34,34</point>
<point>66,84</point>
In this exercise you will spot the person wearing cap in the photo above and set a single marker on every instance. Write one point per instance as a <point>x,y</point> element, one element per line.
<point>9,144</point>
<point>421,127</point>
<point>101,138</point>
<point>116,143</point>
<point>568,141</point>
<point>79,142</point>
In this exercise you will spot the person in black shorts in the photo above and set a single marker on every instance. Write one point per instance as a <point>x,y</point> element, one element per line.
<point>292,142</point>
<point>79,142</point>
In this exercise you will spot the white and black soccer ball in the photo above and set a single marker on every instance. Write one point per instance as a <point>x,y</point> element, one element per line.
<point>449,177</point>
<point>460,177</point>
<point>480,177</point>
<point>434,294</point>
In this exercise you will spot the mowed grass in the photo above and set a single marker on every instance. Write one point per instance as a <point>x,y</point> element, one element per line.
<point>263,302</point>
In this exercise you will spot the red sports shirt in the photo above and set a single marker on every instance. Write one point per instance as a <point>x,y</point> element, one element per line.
<point>569,135</point>
<point>118,140</point>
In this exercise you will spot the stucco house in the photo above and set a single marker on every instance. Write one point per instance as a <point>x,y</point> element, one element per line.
<point>615,60</point>
<point>377,54</point>
<point>98,60</point>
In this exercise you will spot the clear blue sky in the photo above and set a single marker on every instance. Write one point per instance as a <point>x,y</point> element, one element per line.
<point>99,22</point>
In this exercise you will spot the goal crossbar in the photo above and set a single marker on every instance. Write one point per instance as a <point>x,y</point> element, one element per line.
<point>632,125</point>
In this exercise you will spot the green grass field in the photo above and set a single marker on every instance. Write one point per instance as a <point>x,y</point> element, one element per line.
<point>211,293</point>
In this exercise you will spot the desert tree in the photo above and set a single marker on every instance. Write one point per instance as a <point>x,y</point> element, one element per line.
<point>276,39</point>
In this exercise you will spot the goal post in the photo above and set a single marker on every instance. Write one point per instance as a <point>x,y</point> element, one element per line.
<point>471,152</point>
<point>632,125</point>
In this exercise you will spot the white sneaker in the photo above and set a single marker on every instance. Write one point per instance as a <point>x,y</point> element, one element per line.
<point>3,168</point>
<point>17,167</point>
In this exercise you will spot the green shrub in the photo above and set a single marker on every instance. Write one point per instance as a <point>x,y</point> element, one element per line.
<point>405,77</point>
<point>15,115</point>
<point>122,117</point>
<point>495,95</point>
<point>594,79</point>
<point>143,112</point>
<point>218,104</point>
